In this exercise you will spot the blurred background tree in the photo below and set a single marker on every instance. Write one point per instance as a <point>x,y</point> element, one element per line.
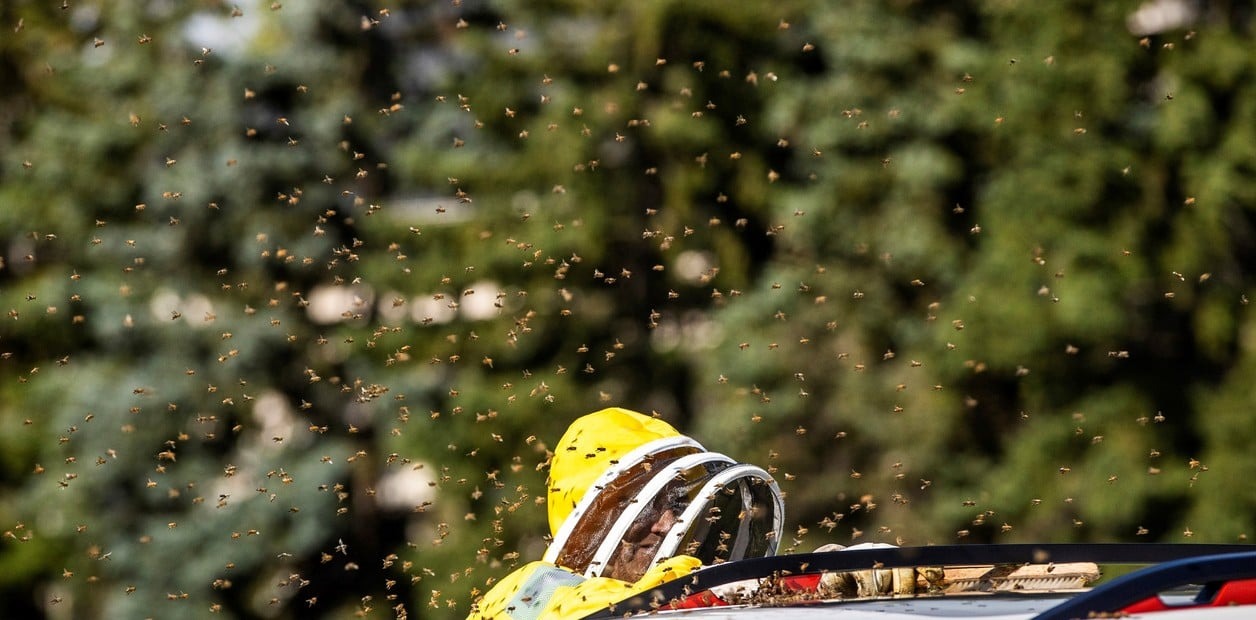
<point>298,294</point>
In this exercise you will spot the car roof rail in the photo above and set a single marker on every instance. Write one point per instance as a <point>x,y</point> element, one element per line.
<point>1209,571</point>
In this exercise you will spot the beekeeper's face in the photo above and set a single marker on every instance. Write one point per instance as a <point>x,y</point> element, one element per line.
<point>641,542</point>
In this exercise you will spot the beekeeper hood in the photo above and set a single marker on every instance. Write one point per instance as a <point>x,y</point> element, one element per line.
<point>627,491</point>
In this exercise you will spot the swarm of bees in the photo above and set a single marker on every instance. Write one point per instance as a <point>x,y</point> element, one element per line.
<point>297,297</point>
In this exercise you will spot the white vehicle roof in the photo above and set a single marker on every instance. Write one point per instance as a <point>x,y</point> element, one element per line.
<point>985,607</point>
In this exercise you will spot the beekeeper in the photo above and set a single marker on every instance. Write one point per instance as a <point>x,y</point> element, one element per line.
<point>633,504</point>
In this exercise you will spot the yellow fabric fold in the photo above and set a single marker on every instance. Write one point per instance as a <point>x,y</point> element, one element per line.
<point>542,591</point>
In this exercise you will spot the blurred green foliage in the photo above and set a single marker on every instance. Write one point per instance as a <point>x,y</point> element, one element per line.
<point>297,294</point>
